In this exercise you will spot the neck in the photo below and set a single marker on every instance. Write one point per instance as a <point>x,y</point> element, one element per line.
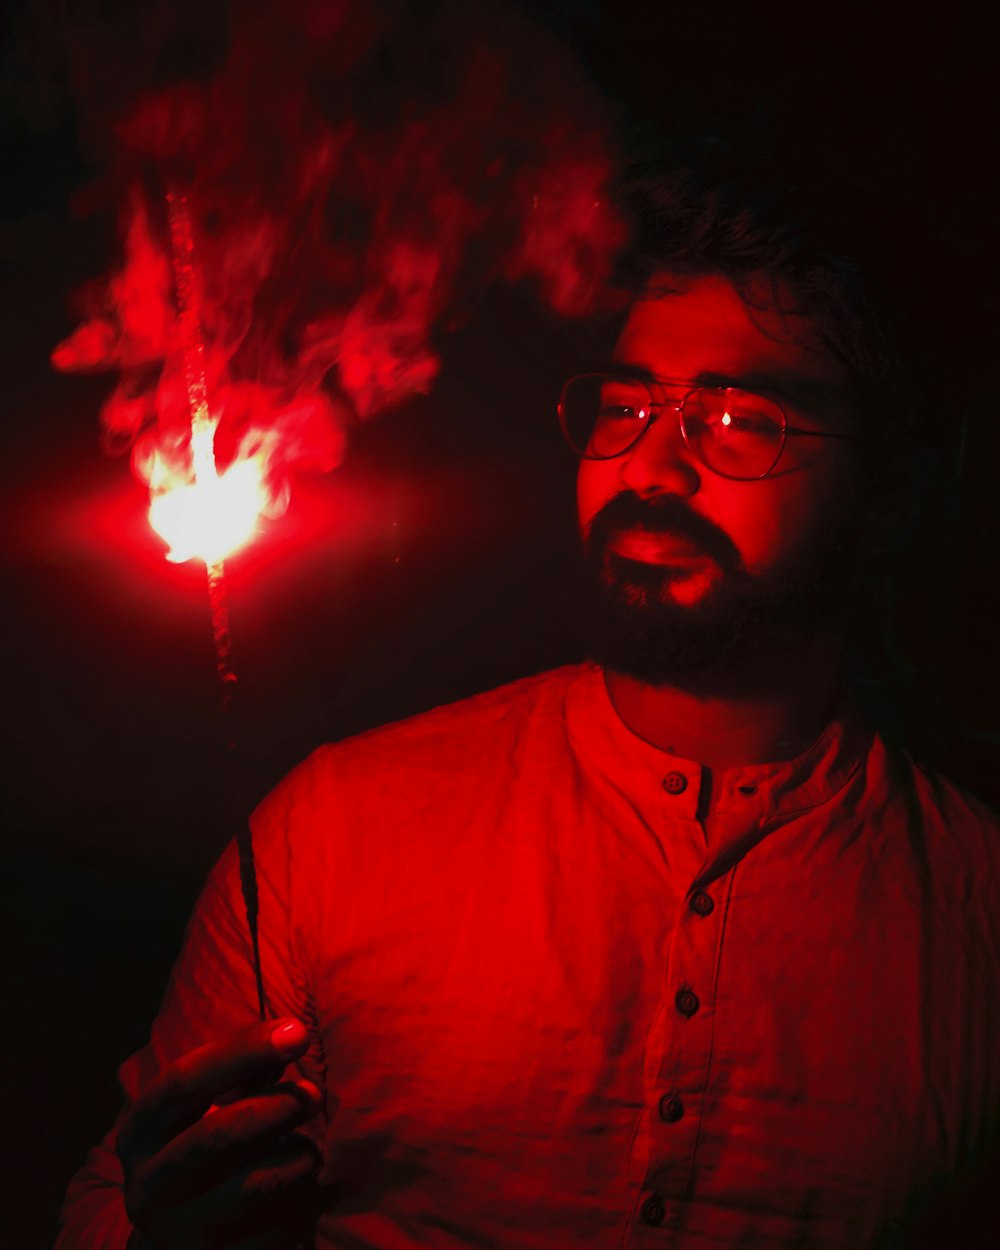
<point>773,710</point>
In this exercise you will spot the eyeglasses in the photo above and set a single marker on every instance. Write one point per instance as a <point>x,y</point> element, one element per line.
<point>735,433</point>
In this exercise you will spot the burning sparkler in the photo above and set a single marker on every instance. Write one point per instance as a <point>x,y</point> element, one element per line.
<point>210,517</point>
<point>336,232</point>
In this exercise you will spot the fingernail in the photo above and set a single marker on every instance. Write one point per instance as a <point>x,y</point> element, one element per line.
<point>290,1038</point>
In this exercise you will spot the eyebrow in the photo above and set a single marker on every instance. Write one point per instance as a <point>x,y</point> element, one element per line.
<point>793,387</point>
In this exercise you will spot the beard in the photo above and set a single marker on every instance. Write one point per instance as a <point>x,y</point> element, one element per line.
<point>638,628</point>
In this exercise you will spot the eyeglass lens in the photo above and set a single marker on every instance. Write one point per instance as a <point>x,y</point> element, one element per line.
<point>734,432</point>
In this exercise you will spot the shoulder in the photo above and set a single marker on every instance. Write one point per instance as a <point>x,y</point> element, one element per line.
<point>459,727</point>
<point>450,735</point>
<point>957,809</point>
<point>960,831</point>
<point>446,742</point>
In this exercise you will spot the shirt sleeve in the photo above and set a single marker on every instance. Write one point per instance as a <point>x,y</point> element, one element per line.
<point>211,993</point>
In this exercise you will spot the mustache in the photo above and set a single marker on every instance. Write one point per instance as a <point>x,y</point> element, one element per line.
<point>665,515</point>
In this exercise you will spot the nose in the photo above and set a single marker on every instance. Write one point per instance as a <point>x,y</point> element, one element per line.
<point>660,463</point>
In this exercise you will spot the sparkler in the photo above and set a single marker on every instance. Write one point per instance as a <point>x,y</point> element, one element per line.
<point>210,518</point>
<point>347,244</point>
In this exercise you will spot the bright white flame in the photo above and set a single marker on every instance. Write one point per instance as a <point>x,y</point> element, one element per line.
<point>203,450</point>
<point>213,516</point>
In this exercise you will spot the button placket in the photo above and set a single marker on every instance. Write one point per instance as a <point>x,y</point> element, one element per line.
<point>679,1041</point>
<point>675,1086</point>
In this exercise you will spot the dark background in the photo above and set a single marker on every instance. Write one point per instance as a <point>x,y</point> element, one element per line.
<point>436,561</point>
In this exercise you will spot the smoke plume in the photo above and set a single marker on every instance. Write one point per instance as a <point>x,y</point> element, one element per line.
<point>356,174</point>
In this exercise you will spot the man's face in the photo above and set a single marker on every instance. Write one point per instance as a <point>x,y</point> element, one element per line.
<point>692,566</point>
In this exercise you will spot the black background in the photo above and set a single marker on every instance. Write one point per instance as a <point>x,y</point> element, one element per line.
<point>435,562</point>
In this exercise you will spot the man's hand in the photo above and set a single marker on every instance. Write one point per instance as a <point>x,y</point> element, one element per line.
<point>206,1171</point>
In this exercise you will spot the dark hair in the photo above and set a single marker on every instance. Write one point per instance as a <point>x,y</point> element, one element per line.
<point>707,210</point>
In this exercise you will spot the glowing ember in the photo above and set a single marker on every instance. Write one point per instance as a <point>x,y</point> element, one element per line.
<point>213,516</point>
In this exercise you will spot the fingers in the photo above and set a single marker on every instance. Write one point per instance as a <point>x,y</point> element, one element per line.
<point>240,1176</point>
<point>231,1136</point>
<point>274,1198</point>
<point>182,1094</point>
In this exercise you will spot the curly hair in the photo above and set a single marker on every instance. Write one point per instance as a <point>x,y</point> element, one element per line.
<point>707,210</point>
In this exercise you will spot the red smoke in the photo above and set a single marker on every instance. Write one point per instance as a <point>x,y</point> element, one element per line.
<point>356,175</point>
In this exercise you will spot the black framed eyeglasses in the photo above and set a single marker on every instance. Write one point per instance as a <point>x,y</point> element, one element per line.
<point>735,433</point>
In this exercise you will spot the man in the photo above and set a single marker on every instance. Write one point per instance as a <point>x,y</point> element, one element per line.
<point>667,949</point>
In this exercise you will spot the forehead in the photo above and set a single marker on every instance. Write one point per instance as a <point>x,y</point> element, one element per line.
<point>685,328</point>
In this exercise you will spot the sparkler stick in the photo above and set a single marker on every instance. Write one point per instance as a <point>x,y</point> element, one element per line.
<point>205,475</point>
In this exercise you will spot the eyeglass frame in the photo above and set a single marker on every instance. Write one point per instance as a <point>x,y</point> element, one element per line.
<point>648,381</point>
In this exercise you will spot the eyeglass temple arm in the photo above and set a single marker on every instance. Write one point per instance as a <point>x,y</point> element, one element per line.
<point>851,438</point>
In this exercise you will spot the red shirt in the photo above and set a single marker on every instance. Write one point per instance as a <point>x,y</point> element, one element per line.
<point>547,1012</point>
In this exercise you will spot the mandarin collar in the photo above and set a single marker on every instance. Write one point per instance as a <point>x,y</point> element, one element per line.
<point>631,763</point>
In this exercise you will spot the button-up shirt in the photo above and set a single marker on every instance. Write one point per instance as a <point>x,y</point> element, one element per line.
<point>547,1010</point>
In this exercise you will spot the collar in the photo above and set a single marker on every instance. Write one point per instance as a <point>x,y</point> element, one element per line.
<point>755,792</point>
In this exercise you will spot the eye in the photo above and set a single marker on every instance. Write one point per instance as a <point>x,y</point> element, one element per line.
<point>737,422</point>
<point>622,403</point>
<point>621,412</point>
<point>736,414</point>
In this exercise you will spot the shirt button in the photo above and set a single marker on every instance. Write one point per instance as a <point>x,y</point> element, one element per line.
<point>653,1210</point>
<point>702,904</point>
<point>687,1002</point>
<point>671,1108</point>
<point>675,783</point>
